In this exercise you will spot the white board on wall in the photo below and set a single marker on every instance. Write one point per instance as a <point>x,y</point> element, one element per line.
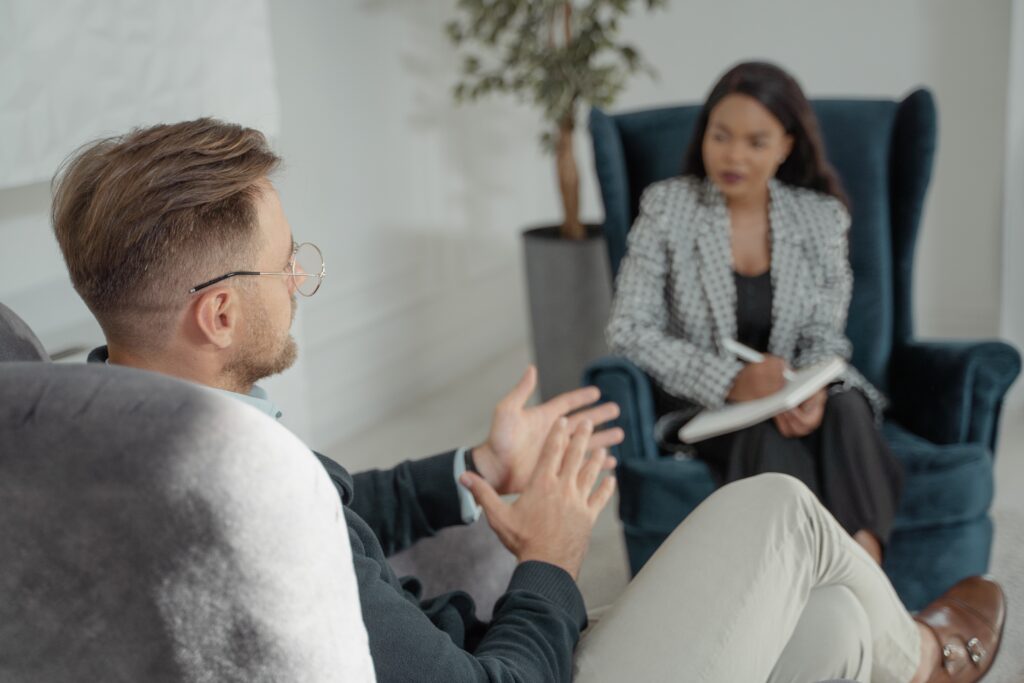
<point>75,70</point>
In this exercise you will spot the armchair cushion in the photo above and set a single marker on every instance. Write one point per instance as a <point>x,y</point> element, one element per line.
<point>944,484</point>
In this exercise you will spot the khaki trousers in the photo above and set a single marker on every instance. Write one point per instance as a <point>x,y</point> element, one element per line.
<point>759,583</point>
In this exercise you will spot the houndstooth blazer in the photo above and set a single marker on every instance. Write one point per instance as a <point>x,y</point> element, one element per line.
<point>675,296</point>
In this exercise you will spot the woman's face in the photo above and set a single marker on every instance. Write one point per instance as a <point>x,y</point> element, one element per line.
<point>743,146</point>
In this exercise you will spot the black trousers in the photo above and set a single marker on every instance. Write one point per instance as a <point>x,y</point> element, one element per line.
<point>846,462</point>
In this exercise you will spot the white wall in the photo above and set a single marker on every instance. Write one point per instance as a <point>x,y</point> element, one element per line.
<point>417,204</point>
<point>1012,317</point>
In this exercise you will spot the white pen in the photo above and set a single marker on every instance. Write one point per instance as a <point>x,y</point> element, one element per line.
<point>748,354</point>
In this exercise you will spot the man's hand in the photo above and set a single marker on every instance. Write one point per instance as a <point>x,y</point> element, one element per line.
<point>553,518</point>
<point>508,457</point>
<point>803,419</point>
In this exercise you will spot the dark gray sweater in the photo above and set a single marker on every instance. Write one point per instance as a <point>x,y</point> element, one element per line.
<point>536,623</point>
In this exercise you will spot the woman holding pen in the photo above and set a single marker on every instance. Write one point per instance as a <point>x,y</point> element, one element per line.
<point>737,272</point>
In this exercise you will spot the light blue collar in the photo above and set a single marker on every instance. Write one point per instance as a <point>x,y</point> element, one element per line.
<point>257,397</point>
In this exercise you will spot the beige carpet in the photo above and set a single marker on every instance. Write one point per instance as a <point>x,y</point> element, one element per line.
<point>1008,567</point>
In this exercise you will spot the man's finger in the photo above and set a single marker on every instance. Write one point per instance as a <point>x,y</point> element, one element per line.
<point>577,449</point>
<point>592,469</point>
<point>553,450</point>
<point>522,391</point>
<point>598,414</point>
<point>600,497</point>
<point>607,437</point>
<point>563,404</point>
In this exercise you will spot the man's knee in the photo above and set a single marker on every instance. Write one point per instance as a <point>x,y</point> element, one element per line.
<point>762,500</point>
<point>771,486</point>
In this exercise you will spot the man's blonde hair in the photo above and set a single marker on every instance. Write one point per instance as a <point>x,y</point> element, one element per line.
<point>143,217</point>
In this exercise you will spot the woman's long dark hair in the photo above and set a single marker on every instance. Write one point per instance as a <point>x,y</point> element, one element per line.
<point>779,93</point>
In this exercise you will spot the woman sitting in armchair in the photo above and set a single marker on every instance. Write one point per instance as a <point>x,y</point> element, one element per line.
<point>750,245</point>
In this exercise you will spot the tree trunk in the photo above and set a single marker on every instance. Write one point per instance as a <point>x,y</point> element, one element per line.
<point>568,182</point>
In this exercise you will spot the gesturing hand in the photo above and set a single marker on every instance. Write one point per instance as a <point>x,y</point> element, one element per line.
<point>552,520</point>
<point>804,419</point>
<point>508,457</point>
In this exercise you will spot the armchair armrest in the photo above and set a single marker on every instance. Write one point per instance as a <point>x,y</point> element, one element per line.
<point>623,382</point>
<point>952,392</point>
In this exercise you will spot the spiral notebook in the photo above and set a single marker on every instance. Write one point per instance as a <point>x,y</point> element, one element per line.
<point>737,416</point>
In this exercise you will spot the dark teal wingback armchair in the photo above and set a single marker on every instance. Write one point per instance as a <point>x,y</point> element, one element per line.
<point>945,396</point>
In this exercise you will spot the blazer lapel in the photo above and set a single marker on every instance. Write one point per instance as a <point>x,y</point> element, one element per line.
<point>787,261</point>
<point>715,263</point>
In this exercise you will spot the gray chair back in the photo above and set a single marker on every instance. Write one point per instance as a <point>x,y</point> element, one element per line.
<point>17,341</point>
<point>153,530</point>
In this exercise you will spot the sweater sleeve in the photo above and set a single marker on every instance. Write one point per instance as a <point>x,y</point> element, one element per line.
<point>410,501</point>
<point>534,631</point>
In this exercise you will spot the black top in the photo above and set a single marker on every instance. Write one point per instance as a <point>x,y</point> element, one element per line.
<point>754,309</point>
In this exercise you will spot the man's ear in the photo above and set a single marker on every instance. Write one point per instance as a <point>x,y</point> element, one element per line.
<point>217,316</point>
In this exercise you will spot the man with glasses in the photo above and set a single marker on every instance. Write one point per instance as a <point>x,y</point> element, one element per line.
<point>176,240</point>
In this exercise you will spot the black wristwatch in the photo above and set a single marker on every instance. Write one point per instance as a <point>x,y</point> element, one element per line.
<point>467,460</point>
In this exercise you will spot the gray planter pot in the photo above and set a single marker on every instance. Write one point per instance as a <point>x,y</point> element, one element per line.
<point>570,291</point>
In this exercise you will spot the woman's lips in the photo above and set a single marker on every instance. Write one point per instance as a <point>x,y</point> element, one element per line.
<point>731,178</point>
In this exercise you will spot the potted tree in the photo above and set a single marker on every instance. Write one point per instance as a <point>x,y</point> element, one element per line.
<point>557,55</point>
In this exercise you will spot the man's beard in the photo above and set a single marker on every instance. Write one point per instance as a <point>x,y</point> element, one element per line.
<point>262,354</point>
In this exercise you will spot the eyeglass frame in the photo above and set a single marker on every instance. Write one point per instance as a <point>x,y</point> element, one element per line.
<point>295,250</point>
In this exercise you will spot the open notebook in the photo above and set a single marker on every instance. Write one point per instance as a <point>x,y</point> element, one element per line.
<point>736,416</point>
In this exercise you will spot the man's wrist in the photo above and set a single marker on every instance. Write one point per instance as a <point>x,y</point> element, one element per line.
<point>570,566</point>
<point>485,463</point>
<point>468,463</point>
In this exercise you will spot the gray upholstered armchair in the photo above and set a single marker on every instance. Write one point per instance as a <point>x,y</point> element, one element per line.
<point>152,530</point>
<point>946,396</point>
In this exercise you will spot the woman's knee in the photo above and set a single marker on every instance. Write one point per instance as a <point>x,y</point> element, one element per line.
<point>848,404</point>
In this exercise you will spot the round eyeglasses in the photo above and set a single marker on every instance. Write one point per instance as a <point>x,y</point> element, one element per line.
<point>306,269</point>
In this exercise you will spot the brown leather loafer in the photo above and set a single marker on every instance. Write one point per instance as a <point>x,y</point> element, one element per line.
<point>968,622</point>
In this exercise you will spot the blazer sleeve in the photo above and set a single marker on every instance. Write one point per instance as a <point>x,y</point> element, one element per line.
<point>410,501</point>
<point>639,324</point>
<point>823,332</point>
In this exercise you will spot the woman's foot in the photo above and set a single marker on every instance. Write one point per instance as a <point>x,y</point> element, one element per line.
<point>869,542</point>
<point>967,621</point>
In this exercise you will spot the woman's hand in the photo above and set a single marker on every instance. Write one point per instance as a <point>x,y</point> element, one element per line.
<point>757,380</point>
<point>803,419</point>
